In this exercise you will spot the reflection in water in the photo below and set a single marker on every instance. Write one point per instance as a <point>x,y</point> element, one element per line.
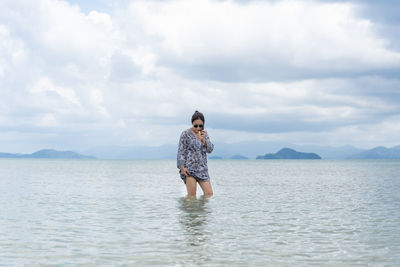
<point>193,219</point>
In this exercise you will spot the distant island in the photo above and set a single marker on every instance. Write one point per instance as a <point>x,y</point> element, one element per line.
<point>288,153</point>
<point>215,157</point>
<point>250,149</point>
<point>379,152</point>
<point>47,154</point>
<point>239,157</point>
<point>224,151</point>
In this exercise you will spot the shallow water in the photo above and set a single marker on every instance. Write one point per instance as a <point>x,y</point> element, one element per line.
<point>133,213</point>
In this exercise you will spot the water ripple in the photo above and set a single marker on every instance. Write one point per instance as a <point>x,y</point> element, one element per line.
<point>264,213</point>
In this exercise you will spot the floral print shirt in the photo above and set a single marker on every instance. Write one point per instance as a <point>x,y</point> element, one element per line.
<point>192,154</point>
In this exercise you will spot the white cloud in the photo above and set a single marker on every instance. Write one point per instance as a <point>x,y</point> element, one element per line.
<point>367,136</point>
<point>12,50</point>
<point>300,34</point>
<point>48,120</point>
<point>44,85</point>
<point>101,18</point>
<point>131,76</point>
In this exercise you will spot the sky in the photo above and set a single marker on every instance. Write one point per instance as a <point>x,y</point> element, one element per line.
<point>81,74</point>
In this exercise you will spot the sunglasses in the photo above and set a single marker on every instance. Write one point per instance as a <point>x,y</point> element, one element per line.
<point>198,126</point>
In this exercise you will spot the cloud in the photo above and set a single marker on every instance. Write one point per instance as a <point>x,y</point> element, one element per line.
<point>262,40</point>
<point>301,71</point>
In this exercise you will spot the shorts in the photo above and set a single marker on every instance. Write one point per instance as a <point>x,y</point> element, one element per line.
<point>183,177</point>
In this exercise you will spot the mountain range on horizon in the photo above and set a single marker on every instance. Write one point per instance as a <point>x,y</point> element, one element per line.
<point>247,149</point>
<point>288,153</point>
<point>47,154</point>
<point>242,150</point>
<point>221,150</point>
<point>378,152</point>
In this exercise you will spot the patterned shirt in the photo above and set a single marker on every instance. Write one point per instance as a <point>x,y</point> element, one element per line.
<point>192,154</point>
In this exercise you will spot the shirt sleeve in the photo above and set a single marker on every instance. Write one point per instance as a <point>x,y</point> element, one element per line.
<point>210,146</point>
<point>182,149</point>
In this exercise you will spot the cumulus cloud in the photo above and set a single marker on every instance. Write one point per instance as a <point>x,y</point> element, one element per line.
<point>301,71</point>
<point>262,39</point>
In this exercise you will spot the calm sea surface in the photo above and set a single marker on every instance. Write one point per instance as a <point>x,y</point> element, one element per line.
<point>263,213</point>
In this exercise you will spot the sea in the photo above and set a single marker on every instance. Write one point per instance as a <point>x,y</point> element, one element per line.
<point>66,212</point>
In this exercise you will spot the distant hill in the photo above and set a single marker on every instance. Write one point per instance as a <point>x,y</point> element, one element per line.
<point>221,151</point>
<point>288,153</point>
<point>10,155</point>
<point>224,150</point>
<point>215,157</point>
<point>167,151</point>
<point>328,152</point>
<point>238,157</point>
<point>379,152</point>
<point>48,154</point>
